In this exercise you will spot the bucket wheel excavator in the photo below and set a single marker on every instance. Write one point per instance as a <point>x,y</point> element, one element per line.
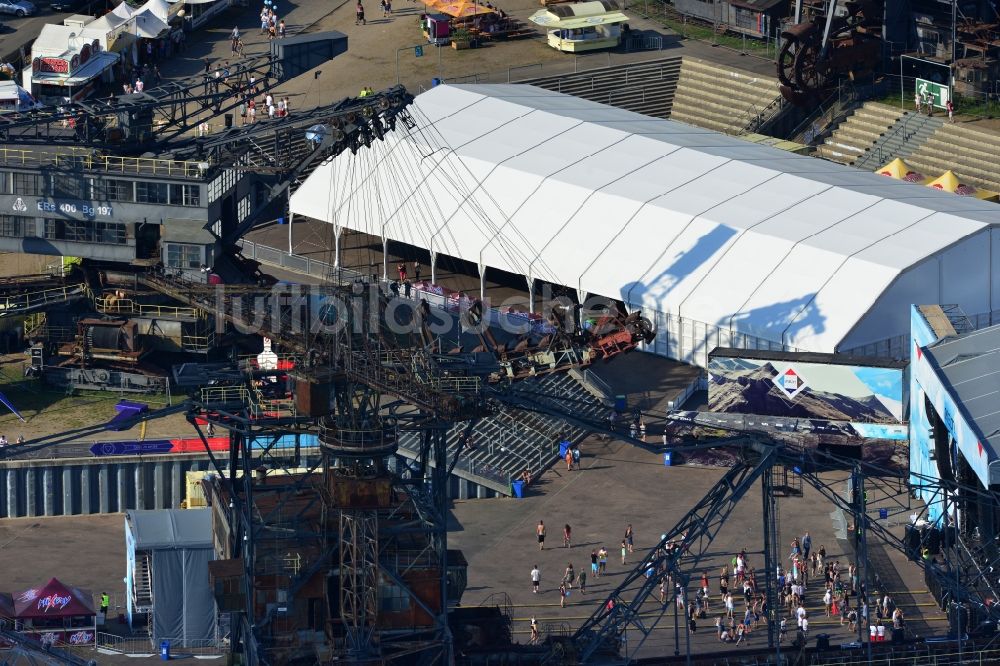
<point>818,50</point>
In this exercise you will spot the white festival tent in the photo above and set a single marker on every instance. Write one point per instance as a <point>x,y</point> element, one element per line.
<point>721,241</point>
<point>158,8</point>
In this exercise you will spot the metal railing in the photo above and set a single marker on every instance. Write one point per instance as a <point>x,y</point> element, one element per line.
<point>35,299</point>
<point>79,158</point>
<point>829,111</point>
<point>113,305</point>
<point>137,646</point>
<point>644,43</point>
<point>598,384</point>
<point>879,152</point>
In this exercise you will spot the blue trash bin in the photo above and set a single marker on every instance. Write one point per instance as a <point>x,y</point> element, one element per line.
<point>281,220</point>
<point>164,650</point>
<point>435,82</point>
<point>668,458</point>
<point>518,488</point>
<point>621,402</point>
<point>563,448</point>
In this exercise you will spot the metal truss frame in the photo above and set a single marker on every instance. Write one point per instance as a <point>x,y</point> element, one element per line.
<point>678,551</point>
<point>681,549</point>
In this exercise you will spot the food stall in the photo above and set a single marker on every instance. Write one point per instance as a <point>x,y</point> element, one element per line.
<point>586,26</point>
<point>66,65</point>
<point>56,612</point>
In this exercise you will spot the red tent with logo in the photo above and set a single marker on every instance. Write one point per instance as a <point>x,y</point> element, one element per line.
<point>54,599</point>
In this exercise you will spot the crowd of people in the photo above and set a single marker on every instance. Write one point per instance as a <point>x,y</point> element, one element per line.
<point>807,577</point>
<point>843,596</point>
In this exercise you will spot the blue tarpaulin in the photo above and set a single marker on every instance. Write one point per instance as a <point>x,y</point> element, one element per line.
<point>127,410</point>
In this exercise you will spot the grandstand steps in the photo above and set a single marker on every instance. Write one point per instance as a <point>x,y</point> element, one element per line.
<point>910,132</point>
<point>702,101</point>
<point>970,153</point>
<point>859,132</point>
<point>505,444</point>
<point>646,87</point>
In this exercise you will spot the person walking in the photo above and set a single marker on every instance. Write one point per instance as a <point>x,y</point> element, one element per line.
<point>359,14</point>
<point>629,535</point>
<point>624,550</point>
<point>807,544</point>
<point>593,563</point>
<point>583,582</point>
<point>567,532</point>
<point>563,593</point>
<point>536,578</point>
<point>105,603</point>
<point>534,632</point>
<point>576,456</point>
<point>950,106</point>
<point>569,460</point>
<point>540,532</point>
<point>602,561</point>
<point>569,576</point>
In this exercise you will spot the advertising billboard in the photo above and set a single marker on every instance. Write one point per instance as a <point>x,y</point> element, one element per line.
<point>868,397</point>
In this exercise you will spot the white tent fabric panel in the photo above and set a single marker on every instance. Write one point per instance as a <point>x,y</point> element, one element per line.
<point>642,241</point>
<point>917,241</point>
<point>579,241</point>
<point>735,275</point>
<point>887,311</point>
<point>788,293</point>
<point>729,241</point>
<point>695,195</point>
<point>686,260</point>
<point>965,264</point>
<point>564,149</point>
<point>868,226</point>
<point>760,203</point>
<point>855,285</point>
<point>814,215</point>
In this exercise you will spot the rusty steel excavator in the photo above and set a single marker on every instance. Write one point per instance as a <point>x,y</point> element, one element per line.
<point>818,50</point>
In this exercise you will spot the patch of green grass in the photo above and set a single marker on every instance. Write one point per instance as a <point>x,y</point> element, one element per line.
<point>49,410</point>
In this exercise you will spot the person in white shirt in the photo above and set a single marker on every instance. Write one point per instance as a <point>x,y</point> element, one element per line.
<point>800,614</point>
<point>536,578</point>
<point>805,625</point>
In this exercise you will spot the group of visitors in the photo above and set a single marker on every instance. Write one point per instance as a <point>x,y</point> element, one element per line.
<point>571,578</point>
<point>270,25</point>
<point>270,107</point>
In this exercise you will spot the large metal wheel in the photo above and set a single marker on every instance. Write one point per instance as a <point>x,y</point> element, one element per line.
<point>795,39</point>
<point>809,72</point>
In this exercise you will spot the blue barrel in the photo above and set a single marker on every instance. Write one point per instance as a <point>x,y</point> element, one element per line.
<point>668,458</point>
<point>435,82</point>
<point>621,402</point>
<point>518,488</point>
<point>281,220</point>
<point>164,650</point>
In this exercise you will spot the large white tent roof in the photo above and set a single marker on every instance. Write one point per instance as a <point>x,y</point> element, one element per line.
<point>657,213</point>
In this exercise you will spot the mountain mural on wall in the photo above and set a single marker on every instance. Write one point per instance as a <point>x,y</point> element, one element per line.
<point>749,387</point>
